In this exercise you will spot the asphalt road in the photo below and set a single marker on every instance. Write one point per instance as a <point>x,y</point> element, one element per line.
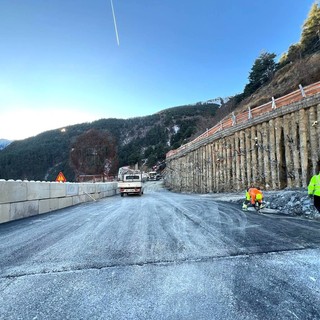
<point>159,256</point>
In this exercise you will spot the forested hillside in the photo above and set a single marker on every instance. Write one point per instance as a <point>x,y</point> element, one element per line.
<point>143,140</point>
<point>104,145</point>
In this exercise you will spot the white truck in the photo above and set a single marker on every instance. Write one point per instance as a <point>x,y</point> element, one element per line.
<point>130,181</point>
<point>152,175</point>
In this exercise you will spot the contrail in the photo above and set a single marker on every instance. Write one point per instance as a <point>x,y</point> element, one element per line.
<point>115,23</point>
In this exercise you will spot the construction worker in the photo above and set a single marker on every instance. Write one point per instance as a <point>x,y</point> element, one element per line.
<point>253,196</point>
<point>314,190</point>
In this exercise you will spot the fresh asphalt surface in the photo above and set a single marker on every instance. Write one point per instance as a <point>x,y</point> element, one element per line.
<point>159,256</point>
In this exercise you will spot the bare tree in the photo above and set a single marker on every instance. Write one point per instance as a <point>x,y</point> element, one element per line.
<point>94,153</point>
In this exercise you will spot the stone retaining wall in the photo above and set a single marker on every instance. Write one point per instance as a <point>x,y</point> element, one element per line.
<point>275,150</point>
<point>20,199</point>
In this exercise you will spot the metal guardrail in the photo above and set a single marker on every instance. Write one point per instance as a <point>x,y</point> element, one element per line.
<point>295,96</point>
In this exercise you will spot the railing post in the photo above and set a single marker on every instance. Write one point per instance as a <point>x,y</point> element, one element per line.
<point>234,119</point>
<point>273,104</point>
<point>302,91</point>
<point>249,113</point>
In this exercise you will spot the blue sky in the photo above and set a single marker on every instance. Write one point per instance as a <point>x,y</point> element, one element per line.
<point>60,63</point>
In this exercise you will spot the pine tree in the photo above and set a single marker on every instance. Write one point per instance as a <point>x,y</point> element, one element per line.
<point>310,37</point>
<point>261,72</point>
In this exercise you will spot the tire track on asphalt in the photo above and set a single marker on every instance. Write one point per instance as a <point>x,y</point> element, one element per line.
<point>189,212</point>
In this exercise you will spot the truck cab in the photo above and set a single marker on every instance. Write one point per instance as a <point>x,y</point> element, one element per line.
<point>131,183</point>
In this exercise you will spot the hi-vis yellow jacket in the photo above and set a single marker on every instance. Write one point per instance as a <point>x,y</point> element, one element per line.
<point>314,185</point>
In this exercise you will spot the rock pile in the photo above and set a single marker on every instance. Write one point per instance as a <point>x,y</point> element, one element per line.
<point>288,201</point>
<point>292,202</point>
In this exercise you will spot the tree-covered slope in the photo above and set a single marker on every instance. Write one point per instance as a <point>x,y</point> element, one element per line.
<point>142,140</point>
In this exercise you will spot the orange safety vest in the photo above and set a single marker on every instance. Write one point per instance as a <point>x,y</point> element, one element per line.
<point>255,195</point>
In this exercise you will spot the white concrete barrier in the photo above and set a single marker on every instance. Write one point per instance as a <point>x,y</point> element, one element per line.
<point>20,199</point>
<point>13,191</point>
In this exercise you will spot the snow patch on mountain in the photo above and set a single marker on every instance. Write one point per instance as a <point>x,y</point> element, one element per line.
<point>4,143</point>
<point>218,101</point>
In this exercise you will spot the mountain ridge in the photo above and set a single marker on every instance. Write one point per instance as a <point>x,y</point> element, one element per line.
<point>138,140</point>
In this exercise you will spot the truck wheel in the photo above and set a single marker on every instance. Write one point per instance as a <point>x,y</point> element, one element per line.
<point>121,194</point>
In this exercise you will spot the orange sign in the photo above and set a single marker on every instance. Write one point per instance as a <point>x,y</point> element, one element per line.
<point>61,177</point>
